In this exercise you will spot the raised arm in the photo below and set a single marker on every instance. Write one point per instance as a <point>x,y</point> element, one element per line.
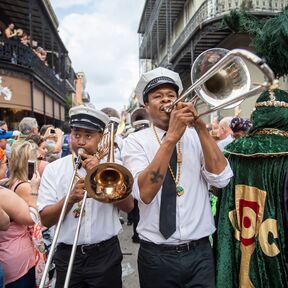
<point>215,161</point>
<point>15,207</point>
<point>152,177</point>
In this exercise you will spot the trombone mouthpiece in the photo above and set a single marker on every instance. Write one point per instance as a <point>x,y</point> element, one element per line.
<point>167,109</point>
<point>78,160</point>
<point>80,151</point>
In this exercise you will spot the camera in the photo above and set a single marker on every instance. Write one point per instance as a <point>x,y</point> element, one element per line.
<point>31,166</point>
<point>52,131</point>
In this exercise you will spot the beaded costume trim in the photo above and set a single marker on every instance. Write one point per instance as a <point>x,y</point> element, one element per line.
<point>272,103</point>
<point>270,131</point>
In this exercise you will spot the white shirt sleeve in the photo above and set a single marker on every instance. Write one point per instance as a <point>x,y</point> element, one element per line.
<point>218,180</point>
<point>134,159</point>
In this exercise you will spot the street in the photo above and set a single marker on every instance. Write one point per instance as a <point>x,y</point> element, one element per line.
<point>130,252</point>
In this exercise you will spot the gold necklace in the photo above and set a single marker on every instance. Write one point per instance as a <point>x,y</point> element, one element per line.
<point>179,189</point>
<point>76,211</point>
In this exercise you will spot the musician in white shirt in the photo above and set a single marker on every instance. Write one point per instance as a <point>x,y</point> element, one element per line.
<point>180,256</point>
<point>98,254</point>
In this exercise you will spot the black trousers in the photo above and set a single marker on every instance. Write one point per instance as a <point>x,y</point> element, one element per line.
<point>160,266</point>
<point>96,266</point>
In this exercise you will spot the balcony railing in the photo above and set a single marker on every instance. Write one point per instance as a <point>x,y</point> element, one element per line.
<point>212,9</point>
<point>15,53</point>
<point>150,25</point>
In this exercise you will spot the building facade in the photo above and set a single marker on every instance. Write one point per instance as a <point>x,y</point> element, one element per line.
<point>34,64</point>
<point>173,33</point>
<point>81,96</point>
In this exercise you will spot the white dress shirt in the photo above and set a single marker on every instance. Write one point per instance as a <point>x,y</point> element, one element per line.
<point>101,220</point>
<point>194,218</point>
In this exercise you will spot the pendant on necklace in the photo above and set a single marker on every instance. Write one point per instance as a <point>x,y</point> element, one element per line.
<point>179,191</point>
<point>77,210</point>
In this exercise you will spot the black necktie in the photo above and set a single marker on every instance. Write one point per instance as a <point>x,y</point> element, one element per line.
<point>167,225</point>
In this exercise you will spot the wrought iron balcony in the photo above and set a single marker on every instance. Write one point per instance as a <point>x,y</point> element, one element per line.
<point>212,10</point>
<point>18,56</point>
<point>162,14</point>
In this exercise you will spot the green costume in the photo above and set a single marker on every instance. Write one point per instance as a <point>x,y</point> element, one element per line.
<point>252,244</point>
<point>252,240</point>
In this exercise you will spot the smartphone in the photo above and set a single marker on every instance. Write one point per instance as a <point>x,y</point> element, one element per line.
<point>31,168</point>
<point>52,131</point>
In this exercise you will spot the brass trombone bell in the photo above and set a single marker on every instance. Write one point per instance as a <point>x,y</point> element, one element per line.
<point>221,79</point>
<point>108,182</point>
<point>228,82</point>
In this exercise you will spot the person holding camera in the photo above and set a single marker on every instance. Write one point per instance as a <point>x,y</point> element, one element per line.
<point>53,138</point>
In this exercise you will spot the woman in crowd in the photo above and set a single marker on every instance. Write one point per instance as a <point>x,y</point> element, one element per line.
<point>12,207</point>
<point>16,247</point>
<point>41,151</point>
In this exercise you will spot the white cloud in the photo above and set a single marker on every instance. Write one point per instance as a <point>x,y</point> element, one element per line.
<point>64,4</point>
<point>103,43</point>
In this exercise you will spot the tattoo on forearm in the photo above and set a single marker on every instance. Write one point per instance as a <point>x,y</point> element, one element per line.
<point>156,176</point>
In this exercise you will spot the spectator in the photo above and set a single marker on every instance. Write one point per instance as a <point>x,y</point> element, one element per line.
<point>3,125</point>
<point>16,247</point>
<point>240,127</point>
<point>10,31</point>
<point>224,133</point>
<point>15,208</point>
<point>27,126</point>
<point>4,135</point>
<point>53,138</point>
<point>41,151</point>
<point>18,166</point>
<point>11,207</point>
<point>41,53</point>
<point>25,39</point>
<point>66,148</point>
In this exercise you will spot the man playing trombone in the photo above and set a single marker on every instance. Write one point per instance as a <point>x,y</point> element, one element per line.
<point>172,161</point>
<point>98,255</point>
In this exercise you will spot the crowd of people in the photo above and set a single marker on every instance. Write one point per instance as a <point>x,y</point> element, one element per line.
<point>176,161</point>
<point>21,36</point>
<point>19,253</point>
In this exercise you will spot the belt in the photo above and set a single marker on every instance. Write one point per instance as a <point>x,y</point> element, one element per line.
<point>179,248</point>
<point>88,248</point>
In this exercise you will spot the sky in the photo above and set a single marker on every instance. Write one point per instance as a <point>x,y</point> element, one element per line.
<point>102,41</point>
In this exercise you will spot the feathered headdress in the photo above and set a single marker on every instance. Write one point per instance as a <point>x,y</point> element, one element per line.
<point>270,36</point>
<point>269,133</point>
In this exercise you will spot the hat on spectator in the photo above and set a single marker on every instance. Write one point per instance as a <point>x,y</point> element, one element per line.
<point>155,78</point>
<point>5,134</point>
<point>239,124</point>
<point>88,118</point>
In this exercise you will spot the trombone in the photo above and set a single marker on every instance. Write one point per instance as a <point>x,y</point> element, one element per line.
<point>223,79</point>
<point>107,182</point>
